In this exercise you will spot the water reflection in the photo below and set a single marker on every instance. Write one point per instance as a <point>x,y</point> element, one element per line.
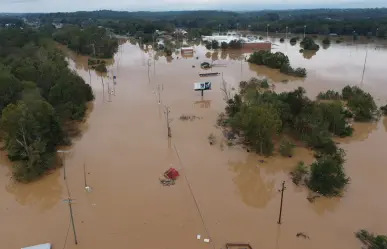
<point>203,103</point>
<point>254,187</point>
<point>308,54</point>
<point>324,205</point>
<point>361,132</point>
<point>326,46</point>
<point>43,194</point>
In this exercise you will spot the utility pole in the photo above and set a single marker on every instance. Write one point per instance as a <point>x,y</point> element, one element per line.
<point>69,201</point>
<point>364,67</point>
<point>149,64</point>
<point>84,174</point>
<point>103,90</point>
<point>267,31</point>
<point>167,111</point>
<point>109,93</point>
<point>304,31</point>
<point>282,198</point>
<point>62,163</point>
<point>286,36</point>
<point>159,92</point>
<point>93,49</point>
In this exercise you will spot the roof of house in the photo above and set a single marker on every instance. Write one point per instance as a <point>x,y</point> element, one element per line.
<point>41,246</point>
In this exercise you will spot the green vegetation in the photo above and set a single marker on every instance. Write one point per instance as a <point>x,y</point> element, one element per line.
<point>87,41</point>
<point>372,241</point>
<point>282,39</point>
<point>40,96</point>
<point>319,21</point>
<point>234,44</point>
<point>293,40</point>
<point>276,60</point>
<point>260,117</point>
<point>97,65</point>
<point>326,41</point>
<point>361,105</point>
<point>329,95</point>
<point>383,110</point>
<point>308,44</point>
<point>299,174</point>
<point>286,148</point>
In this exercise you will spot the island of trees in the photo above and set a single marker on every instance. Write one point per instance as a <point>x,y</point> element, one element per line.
<point>40,98</point>
<point>276,60</point>
<point>265,120</point>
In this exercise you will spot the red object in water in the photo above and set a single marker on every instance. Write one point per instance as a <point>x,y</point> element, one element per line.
<point>172,173</point>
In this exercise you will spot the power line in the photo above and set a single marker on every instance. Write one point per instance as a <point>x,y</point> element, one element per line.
<point>194,198</point>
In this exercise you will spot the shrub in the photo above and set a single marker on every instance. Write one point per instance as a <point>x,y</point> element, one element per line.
<point>286,148</point>
<point>299,174</point>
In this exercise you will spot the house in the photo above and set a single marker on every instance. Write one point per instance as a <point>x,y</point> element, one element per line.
<point>180,32</point>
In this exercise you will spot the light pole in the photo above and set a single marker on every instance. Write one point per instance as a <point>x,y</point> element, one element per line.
<point>267,31</point>
<point>219,28</point>
<point>304,30</point>
<point>286,32</point>
<point>237,27</point>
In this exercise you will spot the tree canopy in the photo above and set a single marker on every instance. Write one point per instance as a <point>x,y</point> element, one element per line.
<point>38,95</point>
<point>260,116</point>
<point>317,21</point>
<point>87,41</point>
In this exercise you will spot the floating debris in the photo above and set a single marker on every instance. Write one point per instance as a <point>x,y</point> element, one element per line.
<point>206,240</point>
<point>302,235</point>
<point>167,182</point>
<point>198,236</point>
<point>184,117</point>
<point>88,189</point>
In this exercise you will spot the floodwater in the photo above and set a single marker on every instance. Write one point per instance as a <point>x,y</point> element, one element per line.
<point>224,193</point>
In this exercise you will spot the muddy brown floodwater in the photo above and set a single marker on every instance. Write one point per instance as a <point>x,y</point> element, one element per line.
<point>125,149</point>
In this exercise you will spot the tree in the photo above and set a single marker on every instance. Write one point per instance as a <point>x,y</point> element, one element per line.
<point>286,148</point>
<point>327,176</point>
<point>372,241</point>
<point>308,44</point>
<point>10,88</point>
<point>259,124</point>
<point>224,45</point>
<point>31,131</point>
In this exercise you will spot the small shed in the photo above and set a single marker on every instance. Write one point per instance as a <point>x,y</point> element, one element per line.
<point>41,246</point>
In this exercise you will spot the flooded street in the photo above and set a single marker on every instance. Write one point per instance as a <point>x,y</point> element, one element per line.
<point>125,149</point>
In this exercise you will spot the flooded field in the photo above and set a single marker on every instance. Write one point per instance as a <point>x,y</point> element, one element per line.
<point>224,193</point>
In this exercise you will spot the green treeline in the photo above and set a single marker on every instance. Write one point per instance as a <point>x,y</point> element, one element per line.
<point>87,41</point>
<point>260,117</point>
<point>367,22</point>
<point>276,60</point>
<point>40,95</point>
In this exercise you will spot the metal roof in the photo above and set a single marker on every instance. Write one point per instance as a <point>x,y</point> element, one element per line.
<point>41,246</point>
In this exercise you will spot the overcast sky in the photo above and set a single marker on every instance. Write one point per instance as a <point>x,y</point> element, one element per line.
<point>153,5</point>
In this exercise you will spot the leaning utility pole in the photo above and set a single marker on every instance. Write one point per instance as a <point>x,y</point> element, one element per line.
<point>149,64</point>
<point>103,90</point>
<point>62,163</point>
<point>282,198</point>
<point>69,201</point>
<point>166,112</point>
<point>364,67</point>
<point>159,92</point>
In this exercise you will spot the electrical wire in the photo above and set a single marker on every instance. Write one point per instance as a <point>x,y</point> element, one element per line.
<point>194,198</point>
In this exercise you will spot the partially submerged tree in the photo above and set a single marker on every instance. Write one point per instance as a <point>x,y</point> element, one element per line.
<point>372,241</point>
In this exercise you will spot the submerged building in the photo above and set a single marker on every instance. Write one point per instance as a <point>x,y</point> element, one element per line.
<point>249,42</point>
